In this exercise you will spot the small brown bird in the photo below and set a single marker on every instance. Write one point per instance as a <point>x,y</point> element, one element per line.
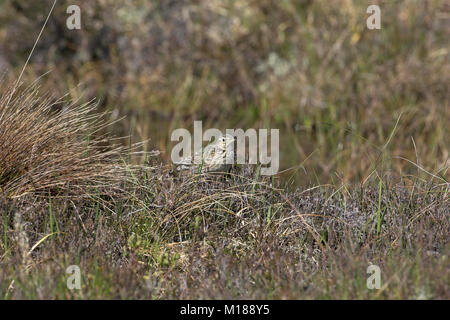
<point>216,157</point>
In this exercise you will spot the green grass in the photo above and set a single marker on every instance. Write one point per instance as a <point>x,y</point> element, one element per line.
<point>203,237</point>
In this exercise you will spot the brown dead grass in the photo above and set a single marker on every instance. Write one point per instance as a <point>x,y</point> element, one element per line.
<point>49,145</point>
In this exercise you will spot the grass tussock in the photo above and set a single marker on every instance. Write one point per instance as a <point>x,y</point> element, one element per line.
<point>48,145</point>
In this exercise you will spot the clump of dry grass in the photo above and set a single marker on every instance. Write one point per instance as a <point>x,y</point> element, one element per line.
<point>52,146</point>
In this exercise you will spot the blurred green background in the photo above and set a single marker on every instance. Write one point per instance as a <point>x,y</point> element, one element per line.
<point>346,99</point>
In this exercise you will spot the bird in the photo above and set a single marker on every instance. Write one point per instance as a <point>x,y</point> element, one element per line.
<point>216,157</point>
